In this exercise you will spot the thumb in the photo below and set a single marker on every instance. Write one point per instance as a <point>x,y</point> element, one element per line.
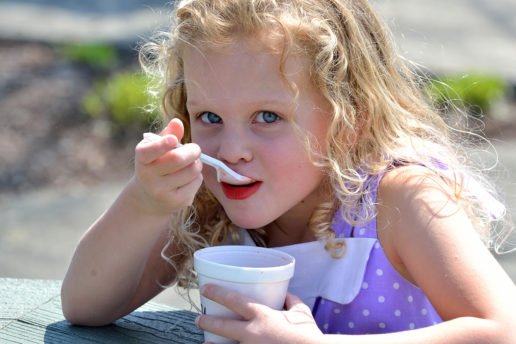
<point>174,127</point>
<point>292,302</point>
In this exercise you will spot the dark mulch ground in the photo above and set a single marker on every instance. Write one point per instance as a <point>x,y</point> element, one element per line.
<point>46,139</point>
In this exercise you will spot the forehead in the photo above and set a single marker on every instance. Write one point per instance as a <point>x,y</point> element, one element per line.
<point>239,68</point>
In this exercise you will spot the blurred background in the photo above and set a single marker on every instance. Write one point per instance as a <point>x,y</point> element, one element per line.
<point>72,107</point>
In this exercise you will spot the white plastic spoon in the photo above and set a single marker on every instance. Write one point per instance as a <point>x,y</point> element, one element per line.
<point>224,173</point>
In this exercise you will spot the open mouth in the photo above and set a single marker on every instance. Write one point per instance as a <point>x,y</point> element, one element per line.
<point>240,192</point>
<point>241,185</point>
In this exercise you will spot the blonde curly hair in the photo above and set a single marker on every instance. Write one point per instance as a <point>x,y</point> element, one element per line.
<point>380,118</point>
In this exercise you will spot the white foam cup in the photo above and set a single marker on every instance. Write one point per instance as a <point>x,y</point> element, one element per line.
<point>260,273</point>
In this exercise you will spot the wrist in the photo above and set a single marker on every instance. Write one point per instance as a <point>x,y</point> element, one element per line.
<point>140,203</point>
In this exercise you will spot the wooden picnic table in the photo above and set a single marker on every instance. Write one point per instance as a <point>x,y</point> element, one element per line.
<point>30,312</point>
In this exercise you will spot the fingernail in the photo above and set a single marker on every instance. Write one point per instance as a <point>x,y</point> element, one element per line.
<point>170,141</point>
<point>197,320</point>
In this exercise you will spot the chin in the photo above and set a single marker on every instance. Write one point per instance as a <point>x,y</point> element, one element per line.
<point>248,222</point>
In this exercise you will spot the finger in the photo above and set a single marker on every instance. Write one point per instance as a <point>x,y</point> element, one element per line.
<point>294,303</point>
<point>297,312</point>
<point>185,194</point>
<point>148,150</point>
<point>183,177</point>
<point>175,183</point>
<point>236,302</point>
<point>229,328</point>
<point>178,159</point>
<point>174,127</point>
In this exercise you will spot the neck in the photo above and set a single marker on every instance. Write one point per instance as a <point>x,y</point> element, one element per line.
<point>279,236</point>
<point>293,226</point>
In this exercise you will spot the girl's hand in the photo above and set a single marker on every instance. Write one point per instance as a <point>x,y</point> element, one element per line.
<point>167,178</point>
<point>261,324</point>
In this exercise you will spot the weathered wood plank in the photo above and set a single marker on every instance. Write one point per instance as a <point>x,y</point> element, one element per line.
<point>43,322</point>
<point>19,296</point>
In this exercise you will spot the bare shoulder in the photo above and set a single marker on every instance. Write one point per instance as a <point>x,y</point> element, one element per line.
<point>415,196</point>
<point>430,240</point>
<point>414,181</point>
<point>408,199</point>
<point>411,194</point>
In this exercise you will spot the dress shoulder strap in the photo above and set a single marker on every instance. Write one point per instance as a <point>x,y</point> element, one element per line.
<point>343,229</point>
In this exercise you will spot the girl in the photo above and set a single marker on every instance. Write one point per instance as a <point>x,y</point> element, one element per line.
<point>352,172</point>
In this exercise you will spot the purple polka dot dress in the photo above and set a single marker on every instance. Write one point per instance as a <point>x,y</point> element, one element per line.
<point>360,293</point>
<point>386,301</point>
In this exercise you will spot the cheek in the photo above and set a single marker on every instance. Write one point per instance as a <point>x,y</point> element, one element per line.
<point>278,155</point>
<point>288,160</point>
<point>209,175</point>
<point>206,143</point>
<point>210,178</point>
<point>196,138</point>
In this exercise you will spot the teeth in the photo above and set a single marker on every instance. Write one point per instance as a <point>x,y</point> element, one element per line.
<point>243,185</point>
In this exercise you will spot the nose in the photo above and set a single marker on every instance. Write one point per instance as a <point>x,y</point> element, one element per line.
<point>235,148</point>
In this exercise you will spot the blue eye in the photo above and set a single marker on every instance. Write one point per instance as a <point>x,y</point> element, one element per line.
<point>210,117</point>
<point>266,117</point>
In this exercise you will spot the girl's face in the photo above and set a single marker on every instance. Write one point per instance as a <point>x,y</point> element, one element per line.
<point>239,106</point>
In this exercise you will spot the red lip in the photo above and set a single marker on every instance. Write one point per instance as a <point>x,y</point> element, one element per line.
<point>240,192</point>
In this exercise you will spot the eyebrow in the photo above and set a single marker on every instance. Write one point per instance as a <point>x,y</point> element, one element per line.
<point>254,103</point>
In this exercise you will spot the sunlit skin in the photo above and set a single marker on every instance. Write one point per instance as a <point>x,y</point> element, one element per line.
<point>428,238</point>
<point>231,94</point>
<point>239,107</point>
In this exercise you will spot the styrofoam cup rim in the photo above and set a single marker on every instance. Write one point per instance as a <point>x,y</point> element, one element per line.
<point>282,272</point>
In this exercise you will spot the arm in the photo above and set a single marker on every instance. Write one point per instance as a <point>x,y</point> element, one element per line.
<point>117,265</point>
<point>429,239</point>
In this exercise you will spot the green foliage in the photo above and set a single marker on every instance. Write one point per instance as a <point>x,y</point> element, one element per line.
<point>476,91</point>
<point>95,55</point>
<point>123,99</point>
